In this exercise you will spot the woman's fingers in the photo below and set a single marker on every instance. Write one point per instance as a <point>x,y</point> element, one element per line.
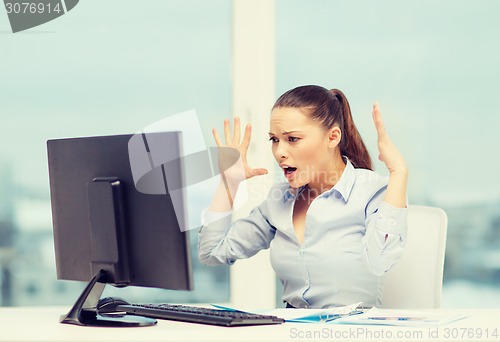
<point>377,120</point>
<point>258,172</point>
<point>227,132</point>
<point>217,139</point>
<point>388,152</point>
<point>237,128</point>
<point>246,138</point>
<point>232,140</point>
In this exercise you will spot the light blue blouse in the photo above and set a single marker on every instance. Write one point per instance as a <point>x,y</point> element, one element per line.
<point>351,239</point>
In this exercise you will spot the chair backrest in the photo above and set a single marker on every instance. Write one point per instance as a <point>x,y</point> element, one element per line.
<point>417,280</point>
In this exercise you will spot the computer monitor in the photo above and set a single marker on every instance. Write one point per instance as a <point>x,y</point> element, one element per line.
<point>108,232</point>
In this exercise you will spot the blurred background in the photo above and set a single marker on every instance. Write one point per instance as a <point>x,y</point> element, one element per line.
<point>113,67</point>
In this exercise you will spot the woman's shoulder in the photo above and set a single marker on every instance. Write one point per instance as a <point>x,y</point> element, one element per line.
<point>276,198</point>
<point>365,177</point>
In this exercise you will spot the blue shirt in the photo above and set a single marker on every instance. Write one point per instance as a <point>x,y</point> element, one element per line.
<point>352,237</point>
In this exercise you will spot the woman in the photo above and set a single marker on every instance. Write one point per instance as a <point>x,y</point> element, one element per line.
<point>335,227</point>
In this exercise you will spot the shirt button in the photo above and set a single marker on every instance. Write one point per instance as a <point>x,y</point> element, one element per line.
<point>392,222</point>
<point>382,253</point>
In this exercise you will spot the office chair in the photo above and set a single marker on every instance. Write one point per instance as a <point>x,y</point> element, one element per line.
<point>416,281</point>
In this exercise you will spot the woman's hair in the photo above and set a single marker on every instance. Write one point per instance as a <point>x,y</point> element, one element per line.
<point>330,107</point>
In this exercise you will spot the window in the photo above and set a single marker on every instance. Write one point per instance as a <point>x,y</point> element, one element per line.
<point>107,67</point>
<point>114,67</point>
<point>433,67</point>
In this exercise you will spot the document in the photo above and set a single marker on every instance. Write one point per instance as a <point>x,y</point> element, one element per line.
<point>307,315</point>
<point>352,314</point>
<point>377,316</point>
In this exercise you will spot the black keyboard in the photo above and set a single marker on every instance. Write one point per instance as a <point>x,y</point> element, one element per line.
<point>195,314</point>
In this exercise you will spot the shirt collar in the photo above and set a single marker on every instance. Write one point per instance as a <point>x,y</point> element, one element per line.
<point>343,186</point>
<point>345,183</point>
<point>291,193</point>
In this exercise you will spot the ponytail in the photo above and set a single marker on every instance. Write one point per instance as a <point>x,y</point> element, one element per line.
<point>351,143</point>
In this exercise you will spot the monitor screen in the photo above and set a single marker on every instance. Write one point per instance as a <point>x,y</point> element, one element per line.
<point>107,231</point>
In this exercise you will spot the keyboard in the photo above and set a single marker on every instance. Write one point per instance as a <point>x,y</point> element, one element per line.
<point>195,314</point>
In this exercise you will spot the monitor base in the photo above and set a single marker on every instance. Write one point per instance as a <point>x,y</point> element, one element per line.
<point>90,318</point>
<point>84,311</point>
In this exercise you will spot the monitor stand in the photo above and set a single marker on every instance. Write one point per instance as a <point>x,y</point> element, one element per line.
<point>84,311</point>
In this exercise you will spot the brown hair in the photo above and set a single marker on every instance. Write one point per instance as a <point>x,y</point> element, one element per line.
<point>330,107</point>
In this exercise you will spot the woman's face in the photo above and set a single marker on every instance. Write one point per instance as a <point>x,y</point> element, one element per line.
<point>301,146</point>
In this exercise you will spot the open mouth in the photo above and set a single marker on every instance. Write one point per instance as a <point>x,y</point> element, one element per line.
<point>289,171</point>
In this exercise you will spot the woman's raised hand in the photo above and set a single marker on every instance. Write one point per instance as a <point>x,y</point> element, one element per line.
<point>235,142</point>
<point>388,153</point>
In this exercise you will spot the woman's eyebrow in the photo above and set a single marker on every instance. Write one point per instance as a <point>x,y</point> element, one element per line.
<point>285,133</point>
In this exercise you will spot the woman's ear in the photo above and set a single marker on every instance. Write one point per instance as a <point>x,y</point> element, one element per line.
<point>334,137</point>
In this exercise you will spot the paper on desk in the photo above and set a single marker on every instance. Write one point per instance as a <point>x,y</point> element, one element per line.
<point>305,315</point>
<point>316,315</point>
<point>377,316</point>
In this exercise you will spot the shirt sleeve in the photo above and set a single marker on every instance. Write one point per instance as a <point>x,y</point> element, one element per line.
<point>386,229</point>
<point>223,242</point>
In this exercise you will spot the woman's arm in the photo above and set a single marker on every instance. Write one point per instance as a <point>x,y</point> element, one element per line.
<point>386,230</point>
<point>394,161</point>
<point>386,223</point>
<point>223,242</point>
<point>220,241</point>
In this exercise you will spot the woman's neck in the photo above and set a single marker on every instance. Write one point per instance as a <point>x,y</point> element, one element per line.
<point>327,178</point>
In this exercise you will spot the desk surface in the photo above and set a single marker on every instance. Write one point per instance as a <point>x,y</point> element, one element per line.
<point>42,324</point>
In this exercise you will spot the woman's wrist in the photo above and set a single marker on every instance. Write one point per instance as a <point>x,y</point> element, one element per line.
<point>396,189</point>
<point>231,183</point>
<point>399,171</point>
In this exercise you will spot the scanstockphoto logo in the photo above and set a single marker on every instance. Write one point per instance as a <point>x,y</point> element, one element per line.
<point>158,169</point>
<point>24,14</point>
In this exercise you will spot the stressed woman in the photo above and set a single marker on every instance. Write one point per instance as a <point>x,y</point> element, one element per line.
<point>335,226</point>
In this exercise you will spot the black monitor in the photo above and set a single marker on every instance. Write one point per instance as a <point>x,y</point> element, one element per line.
<point>106,231</point>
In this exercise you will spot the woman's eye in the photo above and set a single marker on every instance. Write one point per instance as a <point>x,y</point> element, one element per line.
<point>293,139</point>
<point>273,139</point>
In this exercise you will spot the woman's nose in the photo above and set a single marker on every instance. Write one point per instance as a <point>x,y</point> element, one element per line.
<point>280,152</point>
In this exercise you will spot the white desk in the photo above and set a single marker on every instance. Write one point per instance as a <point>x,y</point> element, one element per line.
<point>41,324</point>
